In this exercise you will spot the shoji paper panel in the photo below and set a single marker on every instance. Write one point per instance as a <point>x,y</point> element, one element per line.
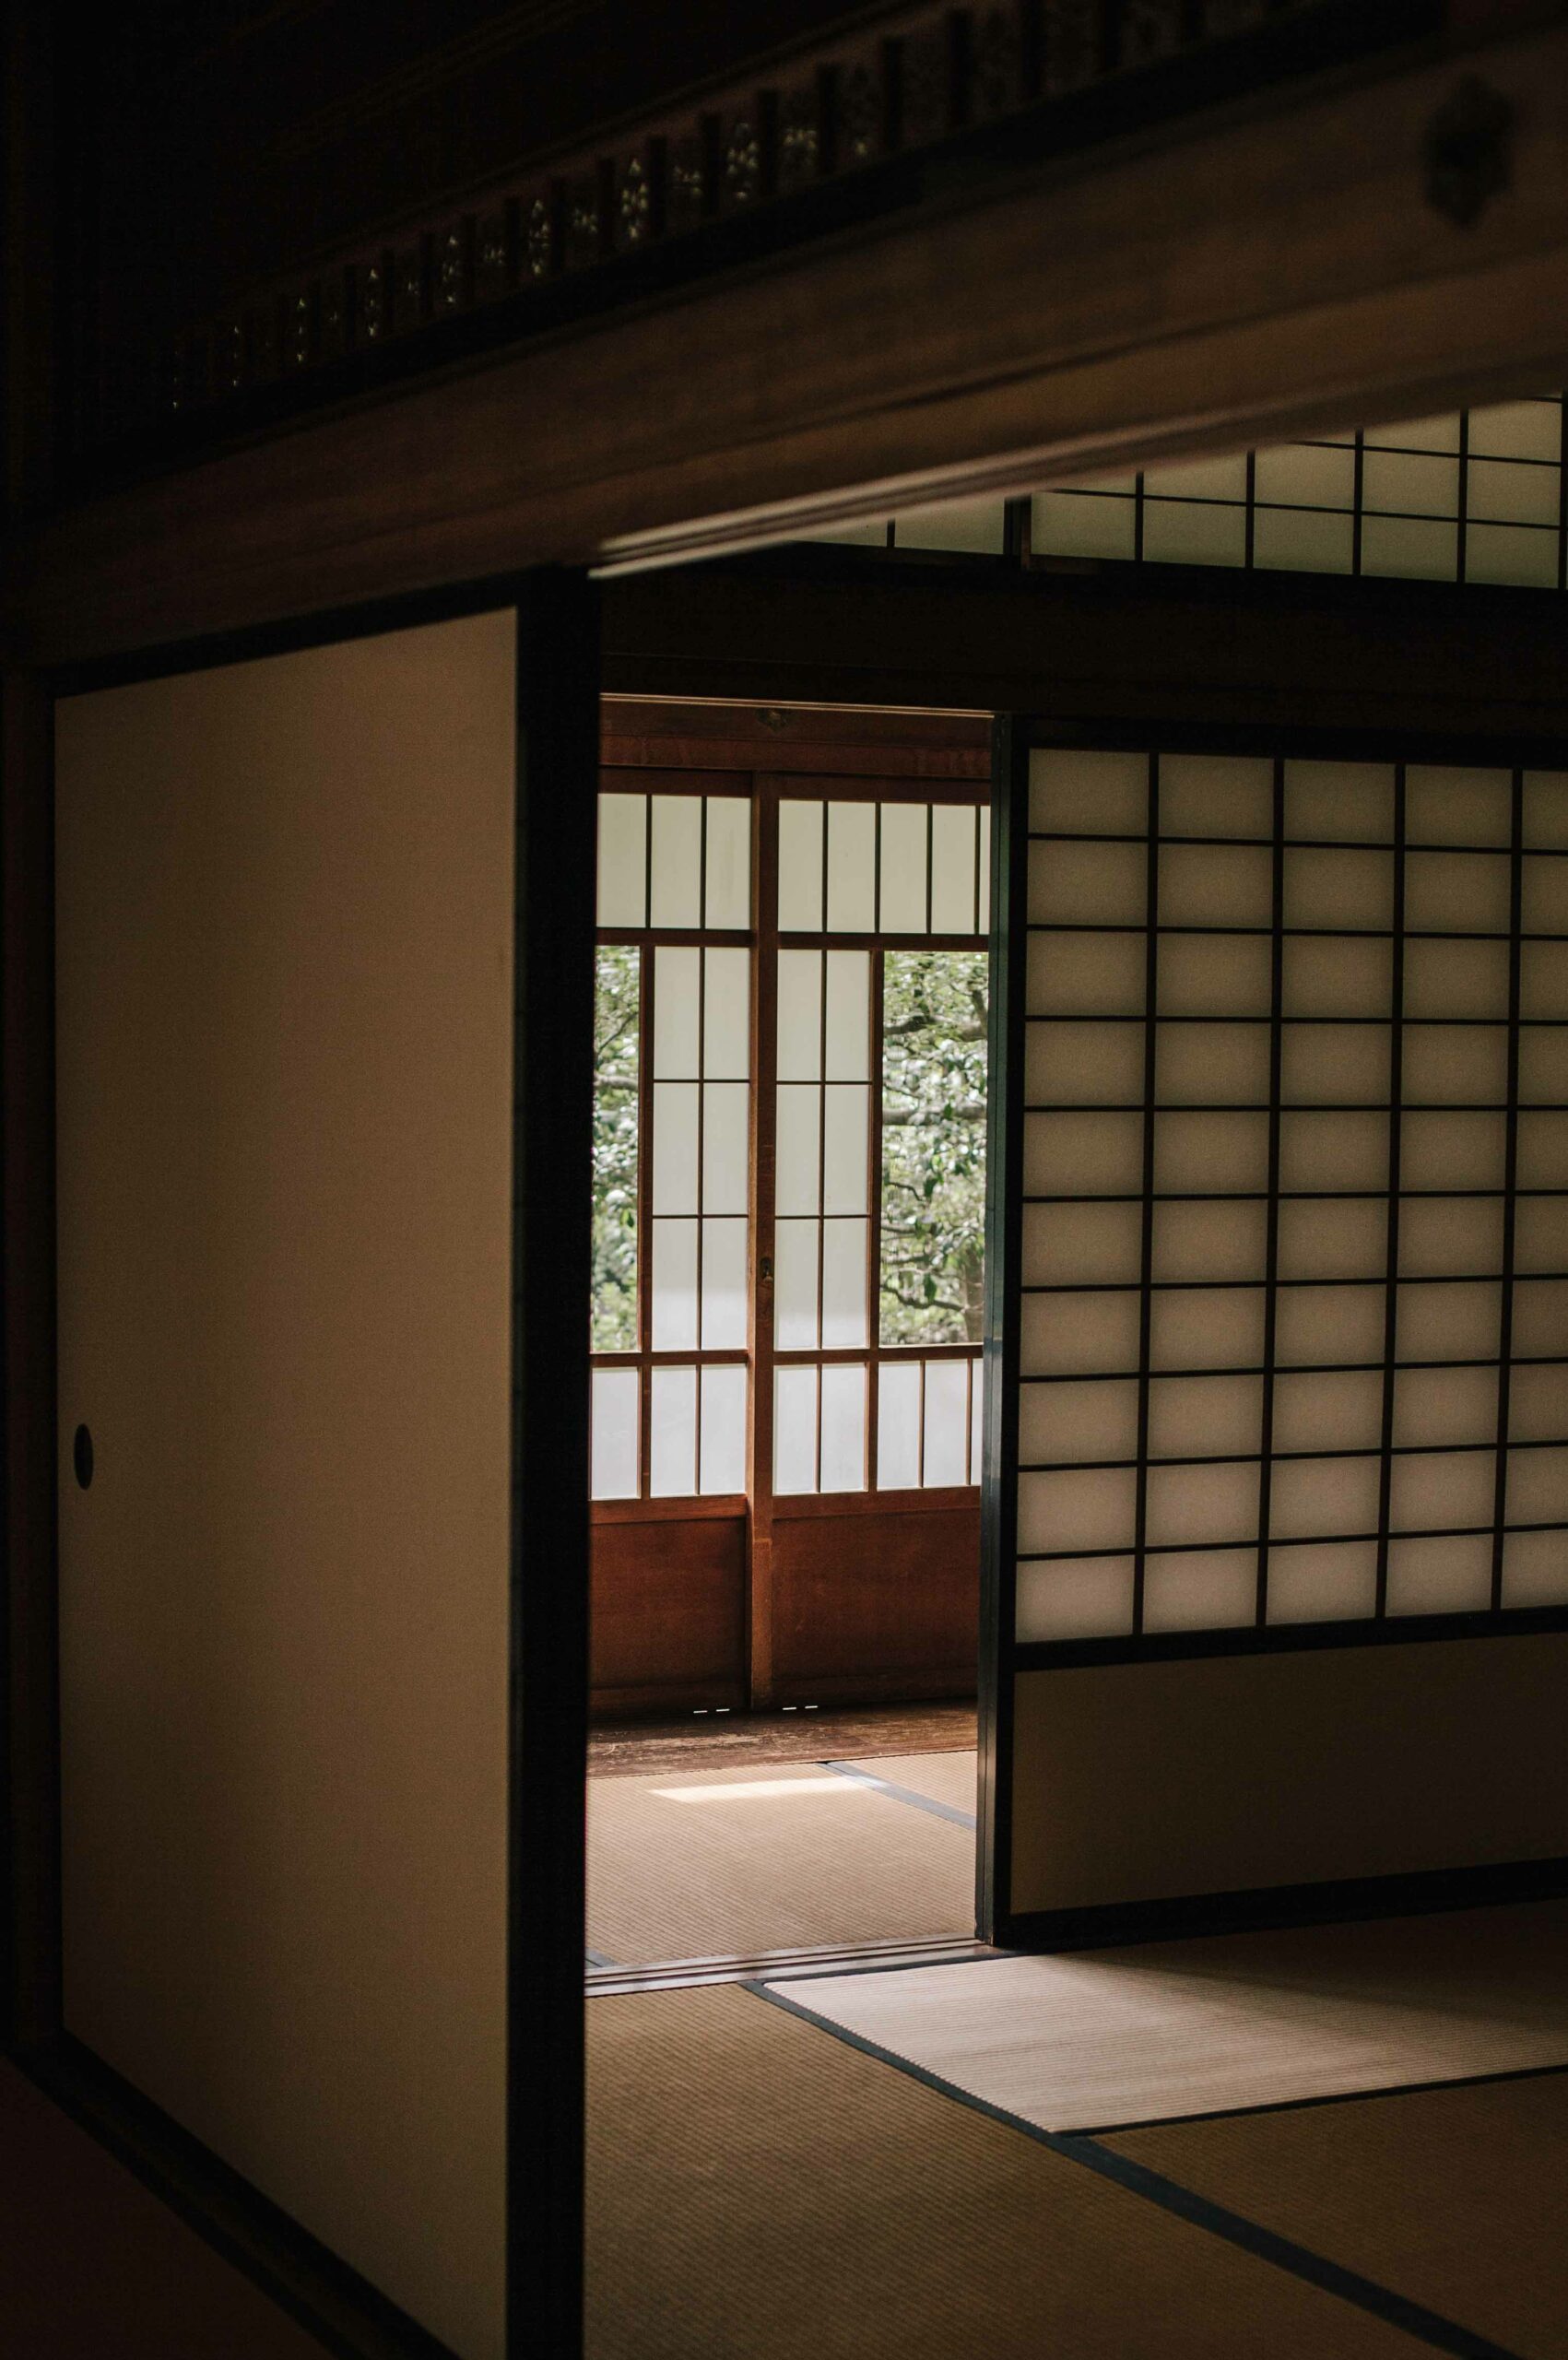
<point>1295,1174</point>
<point>285,1105</point>
<point>1472,496</point>
<point>1466,496</point>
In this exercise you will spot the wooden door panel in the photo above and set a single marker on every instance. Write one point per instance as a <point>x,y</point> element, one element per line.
<point>668,1614</point>
<point>876,1602</point>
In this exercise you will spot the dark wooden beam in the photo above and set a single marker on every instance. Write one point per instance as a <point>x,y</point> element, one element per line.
<point>31,229</point>
<point>1171,643</point>
<point>1274,266</point>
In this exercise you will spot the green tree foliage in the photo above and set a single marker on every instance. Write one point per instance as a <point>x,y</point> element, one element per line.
<point>617,999</point>
<point>933,1275</point>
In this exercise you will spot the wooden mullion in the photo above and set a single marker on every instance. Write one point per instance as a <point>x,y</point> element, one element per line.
<point>798,1507</point>
<point>800,941</point>
<point>645,989</point>
<point>1146,1256</point>
<point>1271,1232</point>
<point>763,1248</point>
<point>1391,1280</point>
<point>721,1356</point>
<point>903,750</point>
<point>710,1507</point>
<point>1509,1189</point>
<point>678,938</point>
<point>821,1149</point>
<point>702,1137</point>
<point>967,1350</point>
<point>874,1217</point>
<point>842,1356</point>
<point>861,787</point>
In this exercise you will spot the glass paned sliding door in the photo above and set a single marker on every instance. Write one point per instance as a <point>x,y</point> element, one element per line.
<point>788,1216</point>
<point>878,1120</point>
<point>865,1532</point>
<point>670,1315</point>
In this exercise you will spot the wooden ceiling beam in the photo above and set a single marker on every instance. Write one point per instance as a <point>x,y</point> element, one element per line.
<point>1241,277</point>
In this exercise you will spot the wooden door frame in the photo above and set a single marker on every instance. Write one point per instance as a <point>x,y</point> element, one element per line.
<point>556,738</point>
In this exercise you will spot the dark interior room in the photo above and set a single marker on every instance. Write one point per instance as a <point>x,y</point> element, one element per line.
<point>784,1127</point>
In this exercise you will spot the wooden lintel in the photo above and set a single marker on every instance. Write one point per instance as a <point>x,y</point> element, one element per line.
<point>1276,266</point>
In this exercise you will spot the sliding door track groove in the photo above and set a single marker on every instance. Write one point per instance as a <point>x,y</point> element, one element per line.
<point>604,1978</point>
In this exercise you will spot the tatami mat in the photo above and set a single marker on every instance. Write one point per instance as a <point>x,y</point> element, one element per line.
<point>738,1862</point>
<point>94,2267</point>
<point>758,2190</point>
<point>1456,2198</point>
<point>1153,2031</point>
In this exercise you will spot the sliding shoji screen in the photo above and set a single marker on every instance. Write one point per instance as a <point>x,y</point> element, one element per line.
<point>876,1142</point>
<point>1291,1256</point>
<point>958,527</point>
<point>1471,496</point>
<point>672,1146</point>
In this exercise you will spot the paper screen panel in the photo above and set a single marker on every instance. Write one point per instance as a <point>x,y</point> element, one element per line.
<point>674,860</point>
<point>1463,496</point>
<point>1276,1269</point>
<point>975,526</point>
<point>896,874</point>
<point>1471,496</point>
<point>672,1438</point>
<point>700,1147</point>
<point>617,1412</point>
<point>927,1423</point>
<point>722,1409</point>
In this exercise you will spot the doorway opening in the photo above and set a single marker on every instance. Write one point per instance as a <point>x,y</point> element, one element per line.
<point>787,1307</point>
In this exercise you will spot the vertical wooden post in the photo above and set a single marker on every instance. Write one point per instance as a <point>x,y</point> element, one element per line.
<point>30,1900</point>
<point>558,745</point>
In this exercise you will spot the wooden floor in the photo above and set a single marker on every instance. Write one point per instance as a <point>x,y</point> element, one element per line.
<point>718,1740</point>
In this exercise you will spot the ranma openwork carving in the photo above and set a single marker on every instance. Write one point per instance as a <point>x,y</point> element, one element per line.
<point>835,137</point>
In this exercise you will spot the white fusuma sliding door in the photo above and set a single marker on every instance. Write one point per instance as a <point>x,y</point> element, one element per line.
<point>286,1100</point>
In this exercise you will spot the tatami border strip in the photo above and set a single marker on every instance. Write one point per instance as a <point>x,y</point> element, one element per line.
<point>1139,2179</point>
<point>1328,2098</point>
<point>895,1793</point>
<point>816,1962</point>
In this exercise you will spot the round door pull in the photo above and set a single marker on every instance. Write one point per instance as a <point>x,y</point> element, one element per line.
<point>81,1457</point>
